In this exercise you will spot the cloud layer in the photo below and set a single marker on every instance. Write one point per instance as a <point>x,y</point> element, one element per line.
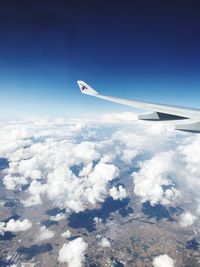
<point>44,154</point>
<point>77,164</point>
<point>73,162</point>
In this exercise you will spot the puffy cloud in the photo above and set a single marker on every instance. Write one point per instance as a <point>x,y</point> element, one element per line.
<point>11,182</point>
<point>32,201</point>
<point>190,152</point>
<point>35,189</point>
<point>44,233</point>
<point>66,234</point>
<point>97,181</point>
<point>58,217</point>
<point>86,170</point>
<point>187,219</point>
<point>152,176</point>
<point>128,155</point>
<point>97,220</point>
<point>68,191</point>
<point>73,252</point>
<point>105,242</point>
<point>118,193</point>
<point>190,159</point>
<point>15,226</point>
<point>163,261</point>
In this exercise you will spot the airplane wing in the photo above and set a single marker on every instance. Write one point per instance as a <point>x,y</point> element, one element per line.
<point>159,112</point>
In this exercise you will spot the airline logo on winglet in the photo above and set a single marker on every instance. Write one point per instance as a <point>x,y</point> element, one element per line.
<point>83,87</point>
<point>86,89</point>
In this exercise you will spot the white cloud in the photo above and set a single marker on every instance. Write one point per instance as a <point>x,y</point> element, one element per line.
<point>190,159</point>
<point>152,176</point>
<point>36,188</point>
<point>73,252</point>
<point>86,170</point>
<point>190,152</point>
<point>104,242</point>
<point>163,261</point>
<point>128,155</point>
<point>15,226</point>
<point>11,182</point>
<point>44,233</point>
<point>66,234</point>
<point>2,228</point>
<point>58,217</point>
<point>187,219</point>
<point>118,193</point>
<point>32,201</point>
<point>97,181</point>
<point>97,220</point>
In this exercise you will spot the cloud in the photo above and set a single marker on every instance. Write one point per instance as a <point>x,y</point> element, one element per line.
<point>190,159</point>
<point>128,155</point>
<point>97,220</point>
<point>11,182</point>
<point>66,234</point>
<point>105,242</point>
<point>163,261</point>
<point>68,191</point>
<point>124,117</point>
<point>58,217</point>
<point>44,234</point>
<point>118,193</point>
<point>189,150</point>
<point>32,201</point>
<point>15,226</point>
<point>86,170</point>
<point>97,181</point>
<point>153,175</point>
<point>187,219</point>
<point>73,252</point>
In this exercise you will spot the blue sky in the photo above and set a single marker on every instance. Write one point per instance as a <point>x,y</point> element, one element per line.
<point>147,50</point>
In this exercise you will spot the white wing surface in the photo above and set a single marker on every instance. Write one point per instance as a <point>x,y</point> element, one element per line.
<point>158,111</point>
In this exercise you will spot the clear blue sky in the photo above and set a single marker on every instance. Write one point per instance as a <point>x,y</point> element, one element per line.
<point>147,50</point>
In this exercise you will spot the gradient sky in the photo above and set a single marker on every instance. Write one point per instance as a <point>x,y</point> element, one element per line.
<point>145,49</point>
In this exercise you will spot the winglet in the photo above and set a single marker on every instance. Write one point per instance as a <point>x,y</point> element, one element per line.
<point>86,89</point>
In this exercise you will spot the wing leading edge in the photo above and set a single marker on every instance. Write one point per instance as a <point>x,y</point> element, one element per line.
<point>159,111</point>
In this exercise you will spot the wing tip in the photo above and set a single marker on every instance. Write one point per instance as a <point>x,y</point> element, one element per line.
<point>85,88</point>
